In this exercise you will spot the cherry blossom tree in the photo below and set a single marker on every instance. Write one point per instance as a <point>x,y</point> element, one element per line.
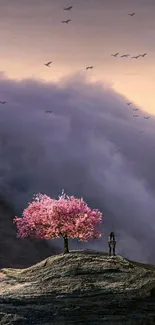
<point>67,217</point>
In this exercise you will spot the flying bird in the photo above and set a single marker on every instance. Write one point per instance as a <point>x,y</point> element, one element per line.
<point>146,117</point>
<point>143,54</point>
<point>125,55</point>
<point>68,8</point>
<point>2,102</point>
<point>114,55</point>
<point>129,103</point>
<point>90,67</point>
<point>49,111</point>
<point>136,57</point>
<point>135,115</point>
<point>132,14</point>
<point>66,21</point>
<point>48,64</point>
<point>135,109</point>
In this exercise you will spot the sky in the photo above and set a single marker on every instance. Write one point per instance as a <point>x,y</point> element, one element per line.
<point>91,145</point>
<point>31,34</point>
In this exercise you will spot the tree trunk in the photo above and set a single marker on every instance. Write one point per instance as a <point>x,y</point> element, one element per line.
<point>66,250</point>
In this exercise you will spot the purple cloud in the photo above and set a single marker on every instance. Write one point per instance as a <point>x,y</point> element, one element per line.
<point>91,146</point>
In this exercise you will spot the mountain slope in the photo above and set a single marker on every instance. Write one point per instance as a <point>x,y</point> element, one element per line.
<point>82,287</point>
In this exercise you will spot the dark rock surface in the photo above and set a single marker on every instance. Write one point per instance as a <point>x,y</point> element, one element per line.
<point>16,252</point>
<point>82,287</point>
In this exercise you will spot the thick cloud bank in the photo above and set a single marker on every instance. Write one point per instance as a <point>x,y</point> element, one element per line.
<point>91,145</point>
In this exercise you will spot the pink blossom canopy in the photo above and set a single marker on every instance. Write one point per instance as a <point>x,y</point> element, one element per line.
<point>68,216</point>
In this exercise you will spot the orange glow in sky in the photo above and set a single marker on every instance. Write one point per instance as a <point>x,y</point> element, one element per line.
<point>33,34</point>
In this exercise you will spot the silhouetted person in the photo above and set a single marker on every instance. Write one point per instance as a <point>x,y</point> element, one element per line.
<point>112,243</point>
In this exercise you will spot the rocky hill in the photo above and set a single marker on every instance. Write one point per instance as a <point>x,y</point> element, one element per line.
<point>82,287</point>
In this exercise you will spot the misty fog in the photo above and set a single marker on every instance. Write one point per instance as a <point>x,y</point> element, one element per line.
<point>91,145</point>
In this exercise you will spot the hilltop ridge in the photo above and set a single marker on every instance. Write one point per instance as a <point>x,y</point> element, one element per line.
<point>82,287</point>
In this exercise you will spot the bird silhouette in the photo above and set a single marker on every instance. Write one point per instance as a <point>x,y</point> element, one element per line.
<point>65,21</point>
<point>146,117</point>
<point>48,64</point>
<point>90,67</point>
<point>143,55</point>
<point>135,109</point>
<point>68,8</point>
<point>135,115</point>
<point>136,57</point>
<point>132,14</point>
<point>114,55</point>
<point>129,103</point>
<point>49,111</point>
<point>125,55</point>
<point>2,102</point>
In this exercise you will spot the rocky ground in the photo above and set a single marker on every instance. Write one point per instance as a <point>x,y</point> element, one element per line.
<point>82,287</point>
